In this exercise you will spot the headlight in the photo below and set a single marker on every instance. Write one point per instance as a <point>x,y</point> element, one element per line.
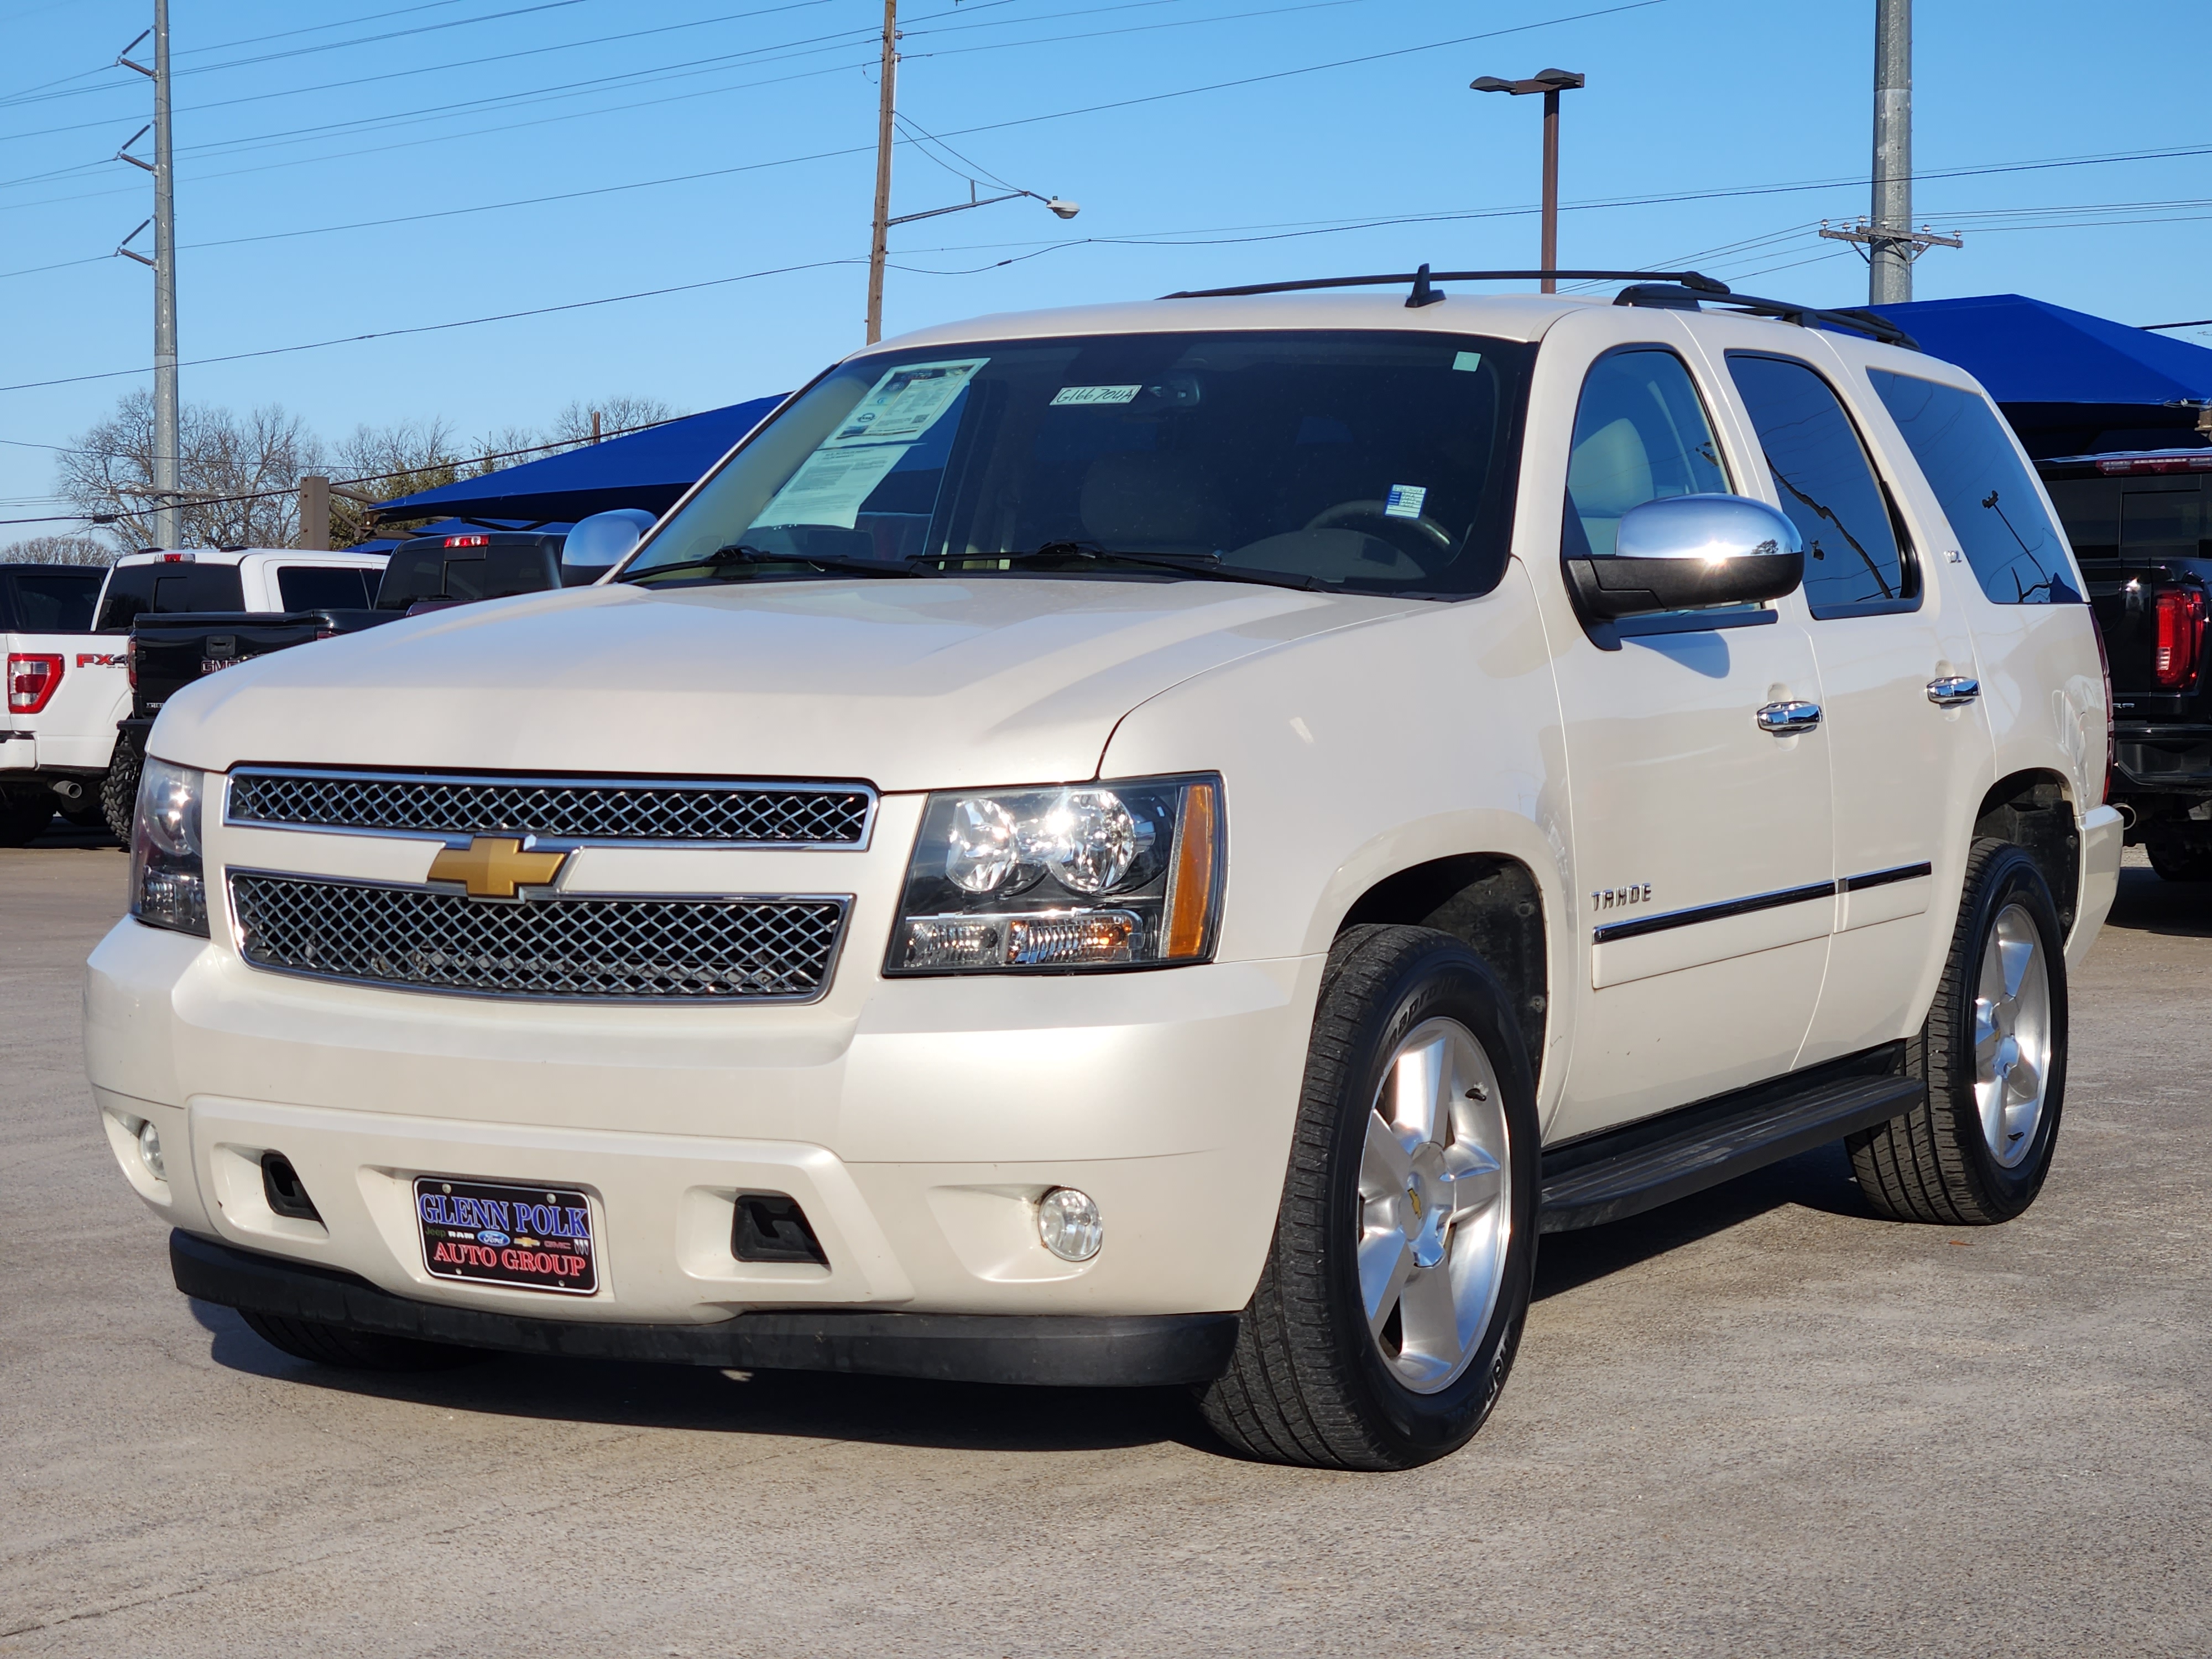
<point>1093,875</point>
<point>168,883</point>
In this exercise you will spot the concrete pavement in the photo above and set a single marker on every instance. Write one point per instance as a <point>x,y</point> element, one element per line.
<point>1759,1421</point>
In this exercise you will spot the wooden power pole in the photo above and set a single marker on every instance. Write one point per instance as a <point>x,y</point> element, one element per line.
<point>879,248</point>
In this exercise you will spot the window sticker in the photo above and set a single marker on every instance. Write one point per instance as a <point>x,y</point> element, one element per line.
<point>830,487</point>
<point>898,411</point>
<point>906,402</point>
<point>1467,361</point>
<point>1404,501</point>
<point>1095,394</point>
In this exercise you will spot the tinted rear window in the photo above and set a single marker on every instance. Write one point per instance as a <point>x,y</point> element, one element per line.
<point>1970,461</point>
<point>160,589</point>
<point>314,587</point>
<point>437,572</point>
<point>52,601</point>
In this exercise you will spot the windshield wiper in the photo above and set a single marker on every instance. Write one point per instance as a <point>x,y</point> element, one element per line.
<point>1206,567</point>
<point>739,553</point>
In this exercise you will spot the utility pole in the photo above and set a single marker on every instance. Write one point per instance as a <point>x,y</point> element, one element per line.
<point>887,104</point>
<point>166,512</point>
<point>1889,265</point>
<point>1550,82</point>
<point>1885,235</point>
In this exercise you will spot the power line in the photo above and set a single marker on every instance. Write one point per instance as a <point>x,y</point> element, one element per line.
<point>437,328</point>
<point>993,126</point>
<point>302,52</point>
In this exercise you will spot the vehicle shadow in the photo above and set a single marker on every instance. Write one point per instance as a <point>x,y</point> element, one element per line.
<point>1817,1180</point>
<point>801,1405</point>
<point>60,833</point>
<point>2149,904</point>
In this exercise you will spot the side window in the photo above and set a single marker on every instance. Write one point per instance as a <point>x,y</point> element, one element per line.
<point>1969,461</point>
<point>1640,435</point>
<point>312,586</point>
<point>1853,563</point>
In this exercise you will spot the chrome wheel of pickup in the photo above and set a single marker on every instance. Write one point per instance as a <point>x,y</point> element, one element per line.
<point>2012,1036</point>
<point>1434,1222</point>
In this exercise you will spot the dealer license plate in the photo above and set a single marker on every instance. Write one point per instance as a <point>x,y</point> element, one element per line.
<point>534,1238</point>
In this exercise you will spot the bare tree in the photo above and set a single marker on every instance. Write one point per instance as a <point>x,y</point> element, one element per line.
<point>239,475</point>
<point>386,462</point>
<point>573,425</point>
<point>56,549</point>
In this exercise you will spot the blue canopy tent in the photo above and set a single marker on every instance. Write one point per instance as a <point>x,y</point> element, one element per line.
<point>649,470</point>
<point>2070,383</point>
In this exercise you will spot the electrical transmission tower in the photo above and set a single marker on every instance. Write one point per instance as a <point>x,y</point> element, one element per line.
<point>167,530</point>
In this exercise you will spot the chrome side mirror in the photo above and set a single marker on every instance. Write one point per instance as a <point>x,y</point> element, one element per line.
<point>601,542</point>
<point>1683,552</point>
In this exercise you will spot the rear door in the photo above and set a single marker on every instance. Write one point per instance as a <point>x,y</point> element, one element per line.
<point>2035,646</point>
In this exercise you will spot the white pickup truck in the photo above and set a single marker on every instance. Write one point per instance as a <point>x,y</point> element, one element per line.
<point>1157,843</point>
<point>60,681</point>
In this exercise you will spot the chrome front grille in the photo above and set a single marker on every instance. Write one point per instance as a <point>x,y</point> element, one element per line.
<point>827,814</point>
<point>598,949</point>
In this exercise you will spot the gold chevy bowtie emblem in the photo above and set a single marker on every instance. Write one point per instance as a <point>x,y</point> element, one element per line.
<point>493,867</point>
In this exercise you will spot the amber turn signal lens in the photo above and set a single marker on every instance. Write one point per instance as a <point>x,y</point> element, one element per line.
<point>1197,869</point>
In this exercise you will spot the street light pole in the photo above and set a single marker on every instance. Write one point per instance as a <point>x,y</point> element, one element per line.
<point>887,104</point>
<point>1550,82</point>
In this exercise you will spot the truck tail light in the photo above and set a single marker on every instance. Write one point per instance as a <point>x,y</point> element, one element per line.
<point>2179,613</point>
<point>131,662</point>
<point>32,679</point>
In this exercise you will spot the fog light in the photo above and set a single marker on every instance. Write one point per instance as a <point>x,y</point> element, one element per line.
<point>1068,1222</point>
<point>149,1152</point>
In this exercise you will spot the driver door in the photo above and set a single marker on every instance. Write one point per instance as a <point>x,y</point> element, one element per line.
<point>1701,841</point>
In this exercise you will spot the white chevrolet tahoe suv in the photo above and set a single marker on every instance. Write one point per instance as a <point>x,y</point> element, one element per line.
<point>1160,843</point>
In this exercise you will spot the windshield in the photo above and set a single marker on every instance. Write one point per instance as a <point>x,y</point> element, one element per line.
<point>1370,462</point>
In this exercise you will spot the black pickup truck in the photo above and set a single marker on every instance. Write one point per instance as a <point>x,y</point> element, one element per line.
<point>2141,523</point>
<point>168,653</point>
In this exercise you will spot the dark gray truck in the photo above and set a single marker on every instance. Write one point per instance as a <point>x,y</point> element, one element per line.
<point>2141,523</point>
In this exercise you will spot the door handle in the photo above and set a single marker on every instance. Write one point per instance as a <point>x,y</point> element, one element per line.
<point>1787,719</point>
<point>1954,690</point>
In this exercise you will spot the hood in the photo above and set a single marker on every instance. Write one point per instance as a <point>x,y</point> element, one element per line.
<point>941,683</point>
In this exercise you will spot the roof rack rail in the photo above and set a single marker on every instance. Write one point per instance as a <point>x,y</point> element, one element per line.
<point>1683,297</point>
<point>1673,290</point>
<point>1424,294</point>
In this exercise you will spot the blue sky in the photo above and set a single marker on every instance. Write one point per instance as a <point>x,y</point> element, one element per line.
<point>297,131</point>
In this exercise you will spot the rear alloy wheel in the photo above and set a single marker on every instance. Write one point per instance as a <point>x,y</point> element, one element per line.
<point>1388,1313</point>
<point>355,1351</point>
<point>1993,1051</point>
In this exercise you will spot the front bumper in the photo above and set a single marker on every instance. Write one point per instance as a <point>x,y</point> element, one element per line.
<point>1140,1351</point>
<point>916,1122</point>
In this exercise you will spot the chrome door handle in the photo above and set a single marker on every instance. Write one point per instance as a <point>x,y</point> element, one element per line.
<point>1786,720</point>
<point>1954,690</point>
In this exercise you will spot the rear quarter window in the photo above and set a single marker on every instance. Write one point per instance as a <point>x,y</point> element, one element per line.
<point>1968,458</point>
<point>315,587</point>
<point>50,601</point>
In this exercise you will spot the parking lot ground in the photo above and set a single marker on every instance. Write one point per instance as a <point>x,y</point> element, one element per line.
<point>1759,1421</point>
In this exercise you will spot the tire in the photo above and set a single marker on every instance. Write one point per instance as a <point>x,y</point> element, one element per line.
<point>2181,860</point>
<point>1943,1162</point>
<point>118,789</point>
<point>355,1351</point>
<point>24,814</point>
<point>1313,1380</point>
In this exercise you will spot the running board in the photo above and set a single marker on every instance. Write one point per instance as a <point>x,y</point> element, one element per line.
<point>1624,1172</point>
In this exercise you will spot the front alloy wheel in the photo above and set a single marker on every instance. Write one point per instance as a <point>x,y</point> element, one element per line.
<point>1434,1216</point>
<point>1389,1311</point>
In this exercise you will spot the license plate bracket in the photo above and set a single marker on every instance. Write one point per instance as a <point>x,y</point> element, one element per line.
<point>500,1232</point>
